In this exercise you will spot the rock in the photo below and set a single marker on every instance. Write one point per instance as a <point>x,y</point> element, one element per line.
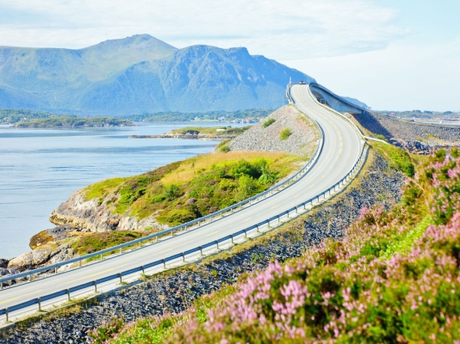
<point>30,259</point>
<point>302,141</point>
<point>3,263</point>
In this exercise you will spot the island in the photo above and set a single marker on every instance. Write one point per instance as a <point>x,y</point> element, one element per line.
<point>75,122</point>
<point>199,133</point>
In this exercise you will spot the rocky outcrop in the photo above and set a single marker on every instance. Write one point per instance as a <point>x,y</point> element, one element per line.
<point>176,291</point>
<point>302,140</point>
<point>3,263</point>
<point>95,217</point>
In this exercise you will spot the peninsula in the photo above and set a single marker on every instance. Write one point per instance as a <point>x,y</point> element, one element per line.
<point>75,122</point>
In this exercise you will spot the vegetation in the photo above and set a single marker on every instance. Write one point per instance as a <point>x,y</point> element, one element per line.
<point>185,190</point>
<point>397,157</point>
<point>74,122</point>
<point>251,114</point>
<point>394,278</point>
<point>12,116</point>
<point>213,131</point>
<point>93,242</point>
<point>268,122</point>
<point>285,133</point>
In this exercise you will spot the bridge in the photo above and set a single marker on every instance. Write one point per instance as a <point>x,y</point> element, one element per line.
<point>340,155</point>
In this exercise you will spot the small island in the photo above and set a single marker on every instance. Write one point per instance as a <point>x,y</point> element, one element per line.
<point>75,122</point>
<point>199,133</point>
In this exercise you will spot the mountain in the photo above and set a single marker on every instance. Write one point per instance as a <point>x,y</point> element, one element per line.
<point>140,74</point>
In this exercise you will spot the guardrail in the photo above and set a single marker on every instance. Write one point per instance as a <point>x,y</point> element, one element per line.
<point>296,210</point>
<point>181,228</point>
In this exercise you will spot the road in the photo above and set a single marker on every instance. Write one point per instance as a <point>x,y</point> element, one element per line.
<point>341,150</point>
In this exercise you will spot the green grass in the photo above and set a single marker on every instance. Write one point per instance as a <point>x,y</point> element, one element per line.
<point>94,242</point>
<point>398,158</point>
<point>195,187</point>
<point>268,122</point>
<point>285,133</point>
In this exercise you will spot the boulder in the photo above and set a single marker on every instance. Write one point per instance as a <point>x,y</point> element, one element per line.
<point>3,263</point>
<point>30,259</point>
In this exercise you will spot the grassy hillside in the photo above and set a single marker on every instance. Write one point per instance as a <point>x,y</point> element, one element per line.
<point>185,190</point>
<point>393,279</point>
<point>169,116</point>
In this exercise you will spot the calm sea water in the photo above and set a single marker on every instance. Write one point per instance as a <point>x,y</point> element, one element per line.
<point>40,168</point>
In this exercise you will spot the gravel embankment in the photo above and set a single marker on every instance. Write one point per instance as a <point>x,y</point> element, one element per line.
<point>176,290</point>
<point>301,142</point>
<point>415,137</point>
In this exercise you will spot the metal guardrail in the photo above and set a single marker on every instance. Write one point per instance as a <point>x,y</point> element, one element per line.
<point>181,228</point>
<point>302,207</point>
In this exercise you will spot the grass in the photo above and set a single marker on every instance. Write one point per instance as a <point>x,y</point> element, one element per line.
<point>94,242</point>
<point>186,190</point>
<point>285,133</point>
<point>268,122</point>
<point>397,157</point>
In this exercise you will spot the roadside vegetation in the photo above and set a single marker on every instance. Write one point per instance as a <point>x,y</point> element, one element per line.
<point>185,190</point>
<point>393,278</point>
<point>285,133</point>
<point>268,122</point>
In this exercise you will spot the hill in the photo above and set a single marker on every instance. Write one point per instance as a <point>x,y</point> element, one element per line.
<point>140,74</point>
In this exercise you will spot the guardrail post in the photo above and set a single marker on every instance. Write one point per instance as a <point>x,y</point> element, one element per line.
<point>164,264</point>
<point>245,234</point>
<point>121,277</point>
<point>183,257</point>
<point>30,278</point>
<point>6,314</point>
<point>55,270</point>
<point>95,286</point>
<point>140,244</point>
<point>201,251</point>
<point>288,216</point>
<point>39,304</point>
<point>79,262</point>
<point>121,250</point>
<point>68,295</point>
<point>231,236</point>
<point>102,256</point>
<point>217,243</point>
<point>257,226</point>
<point>143,270</point>
<point>278,218</point>
<point>296,210</point>
<point>1,286</point>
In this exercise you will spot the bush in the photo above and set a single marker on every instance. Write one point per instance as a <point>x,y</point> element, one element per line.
<point>268,122</point>
<point>224,149</point>
<point>285,133</point>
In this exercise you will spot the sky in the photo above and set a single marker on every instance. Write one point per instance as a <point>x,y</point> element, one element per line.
<point>392,55</point>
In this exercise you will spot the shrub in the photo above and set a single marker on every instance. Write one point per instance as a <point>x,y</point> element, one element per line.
<point>285,133</point>
<point>268,122</point>
<point>224,149</point>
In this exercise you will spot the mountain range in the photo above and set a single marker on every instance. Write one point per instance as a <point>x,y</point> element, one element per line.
<point>141,74</point>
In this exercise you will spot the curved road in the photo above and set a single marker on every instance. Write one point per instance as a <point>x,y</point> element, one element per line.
<point>341,150</point>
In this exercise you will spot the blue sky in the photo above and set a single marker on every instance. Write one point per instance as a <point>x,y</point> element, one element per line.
<point>398,55</point>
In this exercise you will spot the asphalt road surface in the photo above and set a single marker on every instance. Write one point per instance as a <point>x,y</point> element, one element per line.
<point>341,150</point>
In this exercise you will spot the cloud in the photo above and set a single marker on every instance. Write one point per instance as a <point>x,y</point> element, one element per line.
<point>402,77</point>
<point>287,29</point>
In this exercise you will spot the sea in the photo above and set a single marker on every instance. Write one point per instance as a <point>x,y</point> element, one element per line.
<point>41,168</point>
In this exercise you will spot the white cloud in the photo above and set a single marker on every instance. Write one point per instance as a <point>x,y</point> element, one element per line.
<point>402,77</point>
<point>278,29</point>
